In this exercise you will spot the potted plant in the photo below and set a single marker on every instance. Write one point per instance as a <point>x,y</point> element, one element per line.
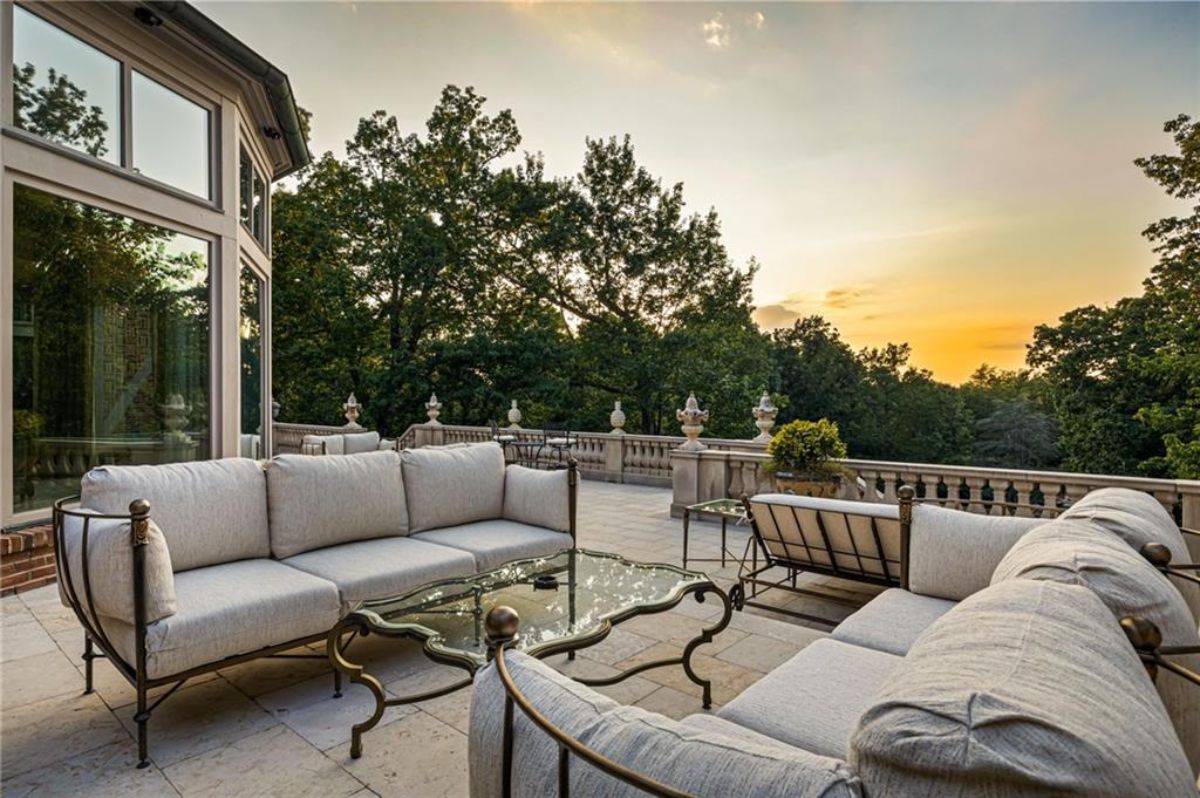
<point>804,458</point>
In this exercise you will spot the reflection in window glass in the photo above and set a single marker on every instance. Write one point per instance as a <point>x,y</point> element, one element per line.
<point>260,209</point>
<point>170,137</point>
<point>250,332</point>
<point>110,345</point>
<point>65,90</point>
<point>245,189</point>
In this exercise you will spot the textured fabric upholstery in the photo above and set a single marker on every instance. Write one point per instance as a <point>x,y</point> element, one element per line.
<point>210,512</point>
<point>700,761</point>
<point>891,621</point>
<point>795,528</point>
<point>494,543</point>
<point>372,569</point>
<point>1137,518</point>
<point>450,485</point>
<point>231,609</point>
<point>538,498</point>
<point>323,444</point>
<point>359,442</point>
<point>952,553</point>
<point>1075,553</point>
<point>323,501</point>
<point>387,444</point>
<point>110,568</point>
<point>1028,688</point>
<point>814,700</point>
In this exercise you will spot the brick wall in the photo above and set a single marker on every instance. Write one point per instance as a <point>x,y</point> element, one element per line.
<point>26,559</point>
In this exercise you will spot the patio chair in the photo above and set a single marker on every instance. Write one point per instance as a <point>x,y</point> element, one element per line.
<point>557,440</point>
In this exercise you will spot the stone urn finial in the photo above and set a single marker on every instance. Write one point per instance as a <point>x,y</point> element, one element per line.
<point>691,419</point>
<point>764,418</point>
<point>175,418</point>
<point>275,408</point>
<point>617,419</point>
<point>433,409</point>
<point>514,416</point>
<point>352,409</point>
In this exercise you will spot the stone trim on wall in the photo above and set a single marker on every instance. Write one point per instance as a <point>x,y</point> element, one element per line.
<point>26,559</point>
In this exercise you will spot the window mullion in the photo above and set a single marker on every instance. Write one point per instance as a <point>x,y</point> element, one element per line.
<point>126,115</point>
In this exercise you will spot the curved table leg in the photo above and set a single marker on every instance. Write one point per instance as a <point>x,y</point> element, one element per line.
<point>357,676</point>
<point>706,636</point>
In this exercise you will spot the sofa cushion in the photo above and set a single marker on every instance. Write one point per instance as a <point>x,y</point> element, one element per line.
<point>323,444</point>
<point>1077,553</point>
<point>1024,689</point>
<point>450,485</point>
<point>231,609</point>
<point>210,512</point>
<point>814,700</point>
<point>110,568</point>
<point>322,501</point>
<point>953,553</point>
<point>891,621</point>
<point>374,569</point>
<point>494,543</point>
<point>698,760</point>
<point>359,442</point>
<point>538,498</point>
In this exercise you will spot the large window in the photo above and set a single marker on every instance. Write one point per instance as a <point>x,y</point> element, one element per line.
<point>250,331</point>
<point>170,137</point>
<point>252,199</point>
<point>110,345</point>
<point>64,90</point>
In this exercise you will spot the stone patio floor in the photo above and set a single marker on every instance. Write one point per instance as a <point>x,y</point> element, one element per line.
<point>272,728</point>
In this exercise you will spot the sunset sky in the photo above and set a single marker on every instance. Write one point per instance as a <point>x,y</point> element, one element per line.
<point>949,175</point>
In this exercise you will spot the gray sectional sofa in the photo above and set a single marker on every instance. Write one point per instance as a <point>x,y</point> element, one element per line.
<point>180,569</point>
<point>1001,668</point>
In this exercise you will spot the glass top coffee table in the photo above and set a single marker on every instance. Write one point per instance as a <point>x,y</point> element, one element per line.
<point>566,602</point>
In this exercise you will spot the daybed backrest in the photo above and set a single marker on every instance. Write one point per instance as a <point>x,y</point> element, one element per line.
<point>452,485</point>
<point>859,538</point>
<point>323,501</point>
<point>1027,688</point>
<point>342,443</point>
<point>210,511</point>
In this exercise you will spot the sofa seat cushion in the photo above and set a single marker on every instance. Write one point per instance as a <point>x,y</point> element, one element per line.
<point>323,501</point>
<point>375,569</point>
<point>231,609</point>
<point>891,621</point>
<point>698,760</point>
<point>1027,688</point>
<point>451,485</point>
<point>1076,553</point>
<point>494,543</point>
<point>212,511</point>
<point>952,553</point>
<point>538,498</point>
<point>814,700</point>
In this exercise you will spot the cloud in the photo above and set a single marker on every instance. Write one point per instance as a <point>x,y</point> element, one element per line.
<point>772,317</point>
<point>716,32</point>
<point>842,298</point>
<point>757,20</point>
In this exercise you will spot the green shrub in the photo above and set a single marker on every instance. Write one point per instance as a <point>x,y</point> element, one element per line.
<point>807,448</point>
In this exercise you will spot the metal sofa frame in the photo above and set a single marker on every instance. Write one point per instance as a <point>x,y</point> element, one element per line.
<point>136,672</point>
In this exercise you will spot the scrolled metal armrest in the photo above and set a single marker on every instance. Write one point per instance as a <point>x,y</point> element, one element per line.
<point>1146,639</point>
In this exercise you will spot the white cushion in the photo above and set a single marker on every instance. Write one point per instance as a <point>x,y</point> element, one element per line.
<point>1076,553</point>
<point>892,621</point>
<point>322,501</point>
<point>494,543</point>
<point>1024,689</point>
<point>110,568</point>
<point>231,609</point>
<point>387,444</point>
<point>210,512</point>
<point>449,485</point>
<point>952,553</point>
<point>382,568</point>
<point>250,446</point>
<point>814,700</point>
<point>323,444</point>
<point>538,498</point>
<point>358,442</point>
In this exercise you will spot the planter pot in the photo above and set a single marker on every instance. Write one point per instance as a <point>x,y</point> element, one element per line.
<point>806,484</point>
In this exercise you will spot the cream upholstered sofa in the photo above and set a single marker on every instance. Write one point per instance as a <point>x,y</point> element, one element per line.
<point>345,443</point>
<point>1000,669</point>
<point>195,566</point>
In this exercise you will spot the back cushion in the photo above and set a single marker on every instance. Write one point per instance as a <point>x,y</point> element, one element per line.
<point>538,498</point>
<point>952,553</point>
<point>1078,554</point>
<point>354,443</point>
<point>452,485</point>
<point>323,501</point>
<point>210,512</point>
<point>323,444</point>
<point>1026,688</point>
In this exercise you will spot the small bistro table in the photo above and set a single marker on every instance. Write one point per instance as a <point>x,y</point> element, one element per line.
<point>726,509</point>
<point>566,602</point>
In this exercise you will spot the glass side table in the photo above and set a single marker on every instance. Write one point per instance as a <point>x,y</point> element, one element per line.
<point>725,509</point>
<point>567,602</point>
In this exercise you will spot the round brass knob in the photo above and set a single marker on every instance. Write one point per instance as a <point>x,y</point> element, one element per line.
<point>501,624</point>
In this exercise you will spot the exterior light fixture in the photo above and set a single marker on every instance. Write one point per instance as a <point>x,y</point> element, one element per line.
<point>147,17</point>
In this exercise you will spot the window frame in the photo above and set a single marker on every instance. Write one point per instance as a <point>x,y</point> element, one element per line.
<point>247,265</point>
